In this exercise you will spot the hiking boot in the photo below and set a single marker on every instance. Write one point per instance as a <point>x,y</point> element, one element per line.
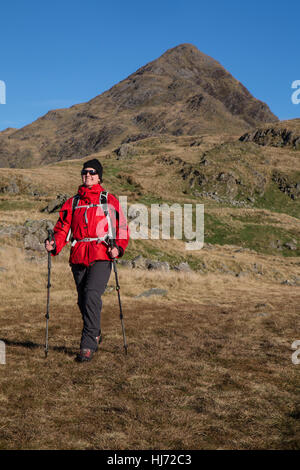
<point>99,340</point>
<point>85,355</point>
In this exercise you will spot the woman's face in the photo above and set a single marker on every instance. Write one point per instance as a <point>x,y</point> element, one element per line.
<point>89,179</point>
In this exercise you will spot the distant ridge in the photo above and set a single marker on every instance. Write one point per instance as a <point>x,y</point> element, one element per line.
<point>183,92</point>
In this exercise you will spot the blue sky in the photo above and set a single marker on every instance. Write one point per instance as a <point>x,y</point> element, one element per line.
<point>59,53</point>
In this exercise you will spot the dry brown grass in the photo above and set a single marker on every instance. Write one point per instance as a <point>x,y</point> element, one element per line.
<point>209,365</point>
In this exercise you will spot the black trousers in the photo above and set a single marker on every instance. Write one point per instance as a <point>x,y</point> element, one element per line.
<point>91,282</point>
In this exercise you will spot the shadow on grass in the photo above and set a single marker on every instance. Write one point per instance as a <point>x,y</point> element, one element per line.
<point>31,345</point>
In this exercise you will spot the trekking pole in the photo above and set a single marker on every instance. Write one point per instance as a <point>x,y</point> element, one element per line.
<point>119,298</point>
<point>50,238</point>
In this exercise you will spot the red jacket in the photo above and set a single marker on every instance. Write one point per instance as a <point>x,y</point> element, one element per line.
<point>90,223</point>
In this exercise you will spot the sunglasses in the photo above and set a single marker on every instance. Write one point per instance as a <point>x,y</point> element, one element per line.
<point>91,172</point>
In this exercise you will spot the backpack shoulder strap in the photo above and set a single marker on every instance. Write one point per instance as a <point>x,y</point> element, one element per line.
<point>103,202</point>
<point>74,205</point>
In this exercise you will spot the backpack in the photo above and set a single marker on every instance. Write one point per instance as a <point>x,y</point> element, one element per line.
<point>102,203</point>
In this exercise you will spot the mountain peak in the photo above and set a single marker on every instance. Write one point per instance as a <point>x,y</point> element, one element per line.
<point>185,48</point>
<point>180,58</point>
<point>182,92</point>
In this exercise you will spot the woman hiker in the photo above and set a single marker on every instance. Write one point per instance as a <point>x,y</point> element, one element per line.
<point>90,216</point>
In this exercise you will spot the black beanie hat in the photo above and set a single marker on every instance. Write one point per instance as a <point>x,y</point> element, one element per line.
<point>96,165</point>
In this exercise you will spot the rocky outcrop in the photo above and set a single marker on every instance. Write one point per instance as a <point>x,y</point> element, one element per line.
<point>36,232</point>
<point>158,265</point>
<point>56,204</point>
<point>287,184</point>
<point>10,188</point>
<point>139,262</point>
<point>275,137</point>
<point>151,292</point>
<point>19,185</point>
<point>223,174</point>
<point>183,267</point>
<point>33,232</point>
<point>126,151</point>
<point>8,231</point>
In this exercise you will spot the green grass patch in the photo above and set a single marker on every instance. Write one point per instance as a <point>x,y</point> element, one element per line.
<point>111,171</point>
<point>216,230</point>
<point>262,237</point>
<point>255,236</point>
<point>15,205</point>
<point>255,218</point>
<point>276,201</point>
<point>149,199</point>
<point>253,233</point>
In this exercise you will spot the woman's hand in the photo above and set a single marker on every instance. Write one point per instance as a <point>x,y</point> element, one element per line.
<point>113,252</point>
<point>49,245</point>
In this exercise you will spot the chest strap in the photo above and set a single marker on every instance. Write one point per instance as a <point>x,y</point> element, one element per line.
<point>98,240</point>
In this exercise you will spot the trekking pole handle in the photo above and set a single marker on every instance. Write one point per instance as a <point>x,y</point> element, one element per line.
<point>110,241</point>
<point>50,235</point>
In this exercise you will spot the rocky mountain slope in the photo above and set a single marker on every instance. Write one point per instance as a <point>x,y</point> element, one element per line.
<point>282,134</point>
<point>184,92</point>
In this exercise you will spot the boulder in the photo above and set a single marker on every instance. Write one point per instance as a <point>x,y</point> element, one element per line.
<point>126,151</point>
<point>140,262</point>
<point>184,267</point>
<point>56,204</point>
<point>11,188</point>
<point>32,242</point>
<point>125,262</point>
<point>11,230</point>
<point>159,265</point>
<point>290,246</point>
<point>153,291</point>
<point>36,232</point>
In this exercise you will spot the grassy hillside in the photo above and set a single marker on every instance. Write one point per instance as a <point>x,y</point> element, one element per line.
<point>246,203</point>
<point>209,363</point>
